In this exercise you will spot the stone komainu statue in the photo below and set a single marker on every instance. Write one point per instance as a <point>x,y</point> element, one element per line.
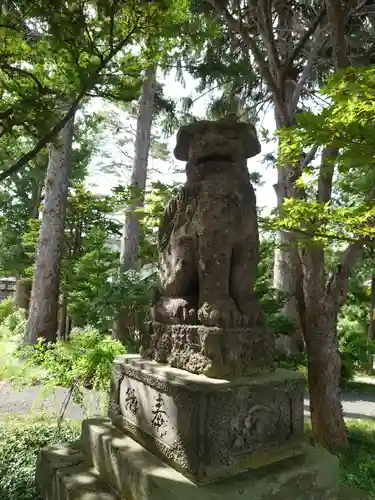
<point>208,236</point>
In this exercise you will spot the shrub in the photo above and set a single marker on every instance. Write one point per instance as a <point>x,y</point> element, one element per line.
<point>297,362</point>
<point>13,326</point>
<point>6,308</point>
<point>355,347</point>
<point>84,361</point>
<point>20,442</point>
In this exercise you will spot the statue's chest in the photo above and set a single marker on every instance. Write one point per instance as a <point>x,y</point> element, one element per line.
<point>220,194</point>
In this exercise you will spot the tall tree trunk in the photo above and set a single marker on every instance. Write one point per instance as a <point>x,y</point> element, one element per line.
<point>371,326</point>
<point>324,362</point>
<point>324,369</point>
<point>43,313</point>
<point>62,317</point>
<point>323,300</point>
<point>22,293</point>
<point>287,274</point>
<point>131,229</point>
<point>24,285</point>
<point>36,199</point>
<point>287,271</point>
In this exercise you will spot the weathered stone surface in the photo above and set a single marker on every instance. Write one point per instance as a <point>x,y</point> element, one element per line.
<point>63,474</point>
<point>208,428</point>
<point>208,236</point>
<point>351,493</point>
<point>140,475</point>
<point>212,351</point>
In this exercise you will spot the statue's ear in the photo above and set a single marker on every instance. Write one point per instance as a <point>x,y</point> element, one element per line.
<point>250,141</point>
<point>184,137</point>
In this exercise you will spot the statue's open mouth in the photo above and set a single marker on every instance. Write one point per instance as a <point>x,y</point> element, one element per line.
<point>214,157</point>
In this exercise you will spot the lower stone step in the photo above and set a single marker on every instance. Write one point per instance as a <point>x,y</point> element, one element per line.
<point>139,475</point>
<point>63,474</point>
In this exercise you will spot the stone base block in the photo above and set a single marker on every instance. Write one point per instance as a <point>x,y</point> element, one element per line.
<point>139,475</point>
<point>208,428</point>
<point>63,474</point>
<point>215,352</point>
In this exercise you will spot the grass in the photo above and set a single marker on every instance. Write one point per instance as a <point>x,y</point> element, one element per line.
<point>20,442</point>
<point>359,386</point>
<point>358,461</point>
<point>13,369</point>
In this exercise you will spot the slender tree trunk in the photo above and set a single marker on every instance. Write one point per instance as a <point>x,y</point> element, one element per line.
<point>371,326</point>
<point>287,271</point>
<point>68,327</point>
<point>131,229</point>
<point>22,293</point>
<point>23,285</point>
<point>36,200</point>
<point>63,316</point>
<point>287,277</point>
<point>43,313</point>
<point>324,369</point>
<point>324,361</point>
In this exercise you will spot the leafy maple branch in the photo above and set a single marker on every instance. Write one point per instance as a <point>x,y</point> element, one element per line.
<point>87,86</point>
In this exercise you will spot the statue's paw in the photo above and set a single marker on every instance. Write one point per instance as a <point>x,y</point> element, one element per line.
<point>222,313</point>
<point>174,311</point>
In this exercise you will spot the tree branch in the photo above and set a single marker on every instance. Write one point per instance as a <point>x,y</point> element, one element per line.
<point>112,24</point>
<point>310,156</point>
<point>10,27</point>
<point>94,48</point>
<point>337,286</point>
<point>316,234</point>
<point>90,83</point>
<point>306,70</point>
<point>304,39</point>
<point>239,28</point>
<point>326,171</point>
<point>5,66</point>
<point>264,7</point>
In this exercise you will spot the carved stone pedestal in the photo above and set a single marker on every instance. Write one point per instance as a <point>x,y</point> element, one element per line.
<point>212,351</point>
<point>175,435</point>
<point>208,428</point>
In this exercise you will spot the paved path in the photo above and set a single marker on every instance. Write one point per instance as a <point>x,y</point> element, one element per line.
<point>356,404</point>
<point>33,399</point>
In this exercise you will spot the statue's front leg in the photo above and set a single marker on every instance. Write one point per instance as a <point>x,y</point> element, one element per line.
<point>179,282</point>
<point>214,259</point>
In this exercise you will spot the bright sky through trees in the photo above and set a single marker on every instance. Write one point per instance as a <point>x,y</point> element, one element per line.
<point>102,182</point>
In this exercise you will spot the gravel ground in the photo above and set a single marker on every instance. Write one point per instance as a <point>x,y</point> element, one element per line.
<point>356,404</point>
<point>32,399</point>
